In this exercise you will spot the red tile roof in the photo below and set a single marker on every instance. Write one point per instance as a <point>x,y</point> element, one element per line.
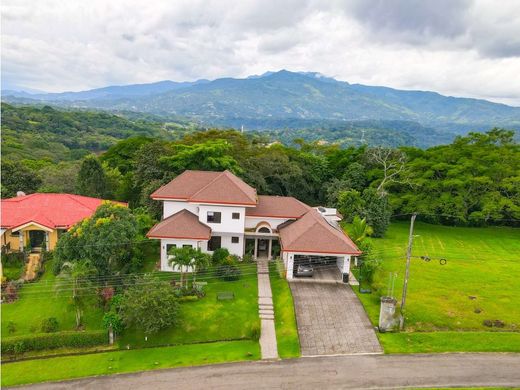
<point>313,234</point>
<point>50,210</point>
<point>278,207</point>
<point>208,187</point>
<point>182,225</point>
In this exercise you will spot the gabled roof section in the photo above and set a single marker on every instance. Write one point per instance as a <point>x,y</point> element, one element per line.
<point>182,225</point>
<point>208,187</point>
<point>313,234</point>
<point>49,210</point>
<point>278,207</point>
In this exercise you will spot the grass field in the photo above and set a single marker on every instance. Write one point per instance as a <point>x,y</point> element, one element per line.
<point>38,301</point>
<point>209,319</point>
<point>285,319</point>
<point>482,275</point>
<point>126,361</point>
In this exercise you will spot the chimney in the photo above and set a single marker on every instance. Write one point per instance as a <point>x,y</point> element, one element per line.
<point>20,193</point>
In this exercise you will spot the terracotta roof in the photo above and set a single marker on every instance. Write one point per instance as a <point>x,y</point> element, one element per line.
<point>208,187</point>
<point>312,233</point>
<point>50,210</point>
<point>278,207</point>
<point>183,224</point>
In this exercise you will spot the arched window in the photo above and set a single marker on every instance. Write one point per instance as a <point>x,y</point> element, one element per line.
<point>264,229</point>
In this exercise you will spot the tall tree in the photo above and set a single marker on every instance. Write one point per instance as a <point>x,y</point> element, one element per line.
<point>92,180</point>
<point>17,177</point>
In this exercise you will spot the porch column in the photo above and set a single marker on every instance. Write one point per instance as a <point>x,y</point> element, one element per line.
<point>256,246</point>
<point>47,244</point>
<point>290,266</point>
<point>269,254</point>
<point>20,240</point>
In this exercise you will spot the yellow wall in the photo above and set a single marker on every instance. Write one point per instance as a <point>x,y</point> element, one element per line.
<point>7,237</point>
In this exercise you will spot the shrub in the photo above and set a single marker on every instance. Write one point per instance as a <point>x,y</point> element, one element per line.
<point>11,291</point>
<point>11,327</point>
<point>188,298</point>
<point>41,341</point>
<point>248,258</point>
<point>228,270</point>
<point>219,255</point>
<point>255,332</point>
<point>50,325</point>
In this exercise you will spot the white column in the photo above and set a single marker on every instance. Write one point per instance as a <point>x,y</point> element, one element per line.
<point>256,246</point>
<point>269,257</point>
<point>47,244</point>
<point>20,239</point>
<point>346,264</point>
<point>290,266</point>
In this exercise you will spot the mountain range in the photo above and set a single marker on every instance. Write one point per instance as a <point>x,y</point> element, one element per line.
<point>290,100</point>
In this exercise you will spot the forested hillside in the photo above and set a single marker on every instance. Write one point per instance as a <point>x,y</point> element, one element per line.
<point>473,181</point>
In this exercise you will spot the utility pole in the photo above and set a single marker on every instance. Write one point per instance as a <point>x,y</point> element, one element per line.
<point>407,272</point>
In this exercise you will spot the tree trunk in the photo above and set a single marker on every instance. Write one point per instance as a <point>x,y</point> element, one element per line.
<point>111,335</point>
<point>78,317</point>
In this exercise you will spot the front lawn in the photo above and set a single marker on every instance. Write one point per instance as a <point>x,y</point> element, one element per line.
<point>481,280</point>
<point>126,361</point>
<point>38,301</point>
<point>209,319</point>
<point>284,316</point>
<point>430,342</point>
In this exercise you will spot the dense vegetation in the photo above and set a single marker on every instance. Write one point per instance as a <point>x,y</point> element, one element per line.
<point>473,181</point>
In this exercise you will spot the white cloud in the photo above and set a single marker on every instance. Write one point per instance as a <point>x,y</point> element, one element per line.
<point>462,48</point>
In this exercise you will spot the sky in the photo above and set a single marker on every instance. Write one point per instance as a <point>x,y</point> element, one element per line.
<point>467,48</point>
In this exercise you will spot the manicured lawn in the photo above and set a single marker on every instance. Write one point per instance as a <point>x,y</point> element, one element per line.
<point>482,274</point>
<point>285,319</point>
<point>209,319</point>
<point>428,342</point>
<point>39,301</point>
<point>126,361</point>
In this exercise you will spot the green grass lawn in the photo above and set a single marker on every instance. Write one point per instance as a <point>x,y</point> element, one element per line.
<point>482,274</point>
<point>430,342</point>
<point>126,361</point>
<point>38,301</point>
<point>209,319</point>
<point>285,319</point>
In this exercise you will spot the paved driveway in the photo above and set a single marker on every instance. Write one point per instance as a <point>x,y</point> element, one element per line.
<point>331,320</point>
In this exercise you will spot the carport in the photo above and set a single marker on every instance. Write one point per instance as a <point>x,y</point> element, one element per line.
<point>314,241</point>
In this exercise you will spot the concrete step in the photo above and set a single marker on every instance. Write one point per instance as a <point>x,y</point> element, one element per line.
<point>265,306</point>
<point>268,312</point>
<point>266,317</point>
<point>265,301</point>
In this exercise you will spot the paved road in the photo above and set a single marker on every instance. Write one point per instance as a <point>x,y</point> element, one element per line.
<point>331,320</point>
<point>330,372</point>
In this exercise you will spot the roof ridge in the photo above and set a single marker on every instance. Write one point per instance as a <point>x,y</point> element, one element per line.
<point>216,177</point>
<point>243,192</point>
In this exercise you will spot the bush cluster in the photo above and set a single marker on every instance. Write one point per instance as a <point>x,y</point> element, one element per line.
<point>42,341</point>
<point>228,270</point>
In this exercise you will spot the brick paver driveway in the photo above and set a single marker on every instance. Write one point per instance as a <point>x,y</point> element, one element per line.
<point>331,320</point>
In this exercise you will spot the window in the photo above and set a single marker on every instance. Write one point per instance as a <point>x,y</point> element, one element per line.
<point>169,247</point>
<point>15,234</point>
<point>236,216</point>
<point>187,246</point>
<point>214,243</point>
<point>214,216</point>
<point>235,240</point>
<point>264,230</point>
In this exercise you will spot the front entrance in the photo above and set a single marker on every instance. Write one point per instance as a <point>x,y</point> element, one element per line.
<point>36,238</point>
<point>262,249</point>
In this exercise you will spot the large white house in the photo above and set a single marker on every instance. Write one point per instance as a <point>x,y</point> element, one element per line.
<point>210,210</point>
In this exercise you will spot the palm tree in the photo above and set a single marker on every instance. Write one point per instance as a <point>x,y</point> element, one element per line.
<point>200,261</point>
<point>76,277</point>
<point>181,258</point>
<point>359,230</point>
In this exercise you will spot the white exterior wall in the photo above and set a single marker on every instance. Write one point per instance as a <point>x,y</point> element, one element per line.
<point>251,222</point>
<point>164,255</point>
<point>343,263</point>
<point>227,223</point>
<point>171,207</point>
<point>225,242</point>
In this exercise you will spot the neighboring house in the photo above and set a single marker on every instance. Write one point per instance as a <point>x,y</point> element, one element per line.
<point>211,210</point>
<point>36,221</point>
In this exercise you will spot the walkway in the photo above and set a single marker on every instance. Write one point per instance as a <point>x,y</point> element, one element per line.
<point>31,269</point>
<point>332,372</point>
<point>268,345</point>
<point>331,320</point>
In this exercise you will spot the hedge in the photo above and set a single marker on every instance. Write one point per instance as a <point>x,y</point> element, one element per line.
<point>41,341</point>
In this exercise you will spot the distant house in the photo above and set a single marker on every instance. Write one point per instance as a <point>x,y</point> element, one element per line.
<point>211,210</point>
<point>37,220</point>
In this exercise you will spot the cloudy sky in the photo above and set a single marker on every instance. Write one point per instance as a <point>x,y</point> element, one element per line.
<point>456,47</point>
